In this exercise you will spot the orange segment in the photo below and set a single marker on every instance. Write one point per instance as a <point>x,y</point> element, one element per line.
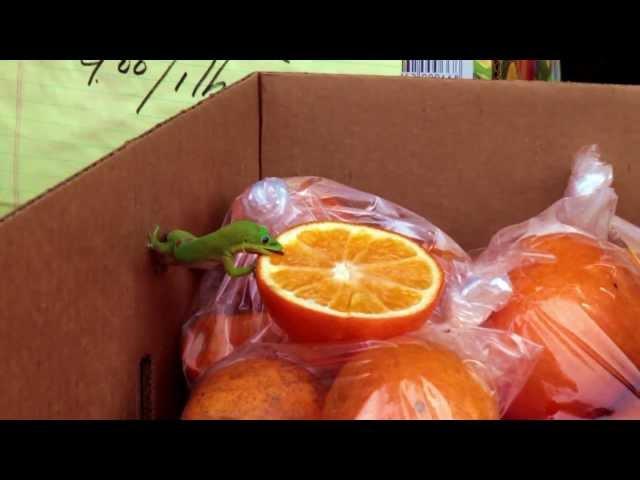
<point>358,243</point>
<point>393,296</point>
<point>302,255</point>
<point>385,250</point>
<point>324,243</point>
<point>413,272</point>
<point>343,281</point>
<point>294,279</point>
<point>348,299</point>
<point>365,302</point>
<point>320,293</point>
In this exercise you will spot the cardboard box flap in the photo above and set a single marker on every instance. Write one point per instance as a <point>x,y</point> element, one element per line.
<point>471,156</point>
<point>84,315</point>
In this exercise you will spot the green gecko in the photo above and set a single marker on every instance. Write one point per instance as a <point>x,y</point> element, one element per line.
<point>220,246</point>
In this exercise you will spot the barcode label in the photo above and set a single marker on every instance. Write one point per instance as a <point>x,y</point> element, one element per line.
<point>438,68</point>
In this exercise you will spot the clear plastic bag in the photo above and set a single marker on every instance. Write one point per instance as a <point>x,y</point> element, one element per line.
<point>576,292</point>
<point>625,235</point>
<point>214,332</point>
<point>440,373</point>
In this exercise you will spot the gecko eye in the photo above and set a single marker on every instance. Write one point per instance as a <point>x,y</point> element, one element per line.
<point>265,239</point>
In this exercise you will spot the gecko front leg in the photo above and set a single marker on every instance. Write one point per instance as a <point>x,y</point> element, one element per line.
<point>232,270</point>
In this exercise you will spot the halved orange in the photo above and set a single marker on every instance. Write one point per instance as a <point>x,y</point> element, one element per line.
<point>337,281</point>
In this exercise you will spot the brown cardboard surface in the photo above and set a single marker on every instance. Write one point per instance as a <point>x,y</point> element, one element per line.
<point>471,156</point>
<point>81,304</point>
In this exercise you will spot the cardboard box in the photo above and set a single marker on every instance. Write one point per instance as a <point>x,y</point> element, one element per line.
<point>88,328</point>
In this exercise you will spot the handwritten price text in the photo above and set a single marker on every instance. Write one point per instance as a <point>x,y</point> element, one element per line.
<point>209,82</point>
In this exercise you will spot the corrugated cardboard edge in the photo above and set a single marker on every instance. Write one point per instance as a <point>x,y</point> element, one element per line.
<point>151,381</point>
<point>520,83</point>
<point>298,107</point>
<point>98,163</point>
<point>229,91</point>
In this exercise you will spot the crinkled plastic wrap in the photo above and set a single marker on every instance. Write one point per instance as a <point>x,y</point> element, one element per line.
<point>230,313</point>
<point>625,235</point>
<point>439,373</point>
<point>576,292</point>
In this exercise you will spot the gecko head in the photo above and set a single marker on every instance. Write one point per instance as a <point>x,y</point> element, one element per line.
<point>260,241</point>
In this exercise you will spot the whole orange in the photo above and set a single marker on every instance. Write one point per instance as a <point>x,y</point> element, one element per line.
<point>256,389</point>
<point>211,337</point>
<point>408,381</point>
<point>581,302</point>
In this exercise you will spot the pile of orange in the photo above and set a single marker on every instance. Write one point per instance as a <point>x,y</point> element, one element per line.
<point>582,304</point>
<point>580,301</point>
<point>343,282</point>
<point>405,381</point>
